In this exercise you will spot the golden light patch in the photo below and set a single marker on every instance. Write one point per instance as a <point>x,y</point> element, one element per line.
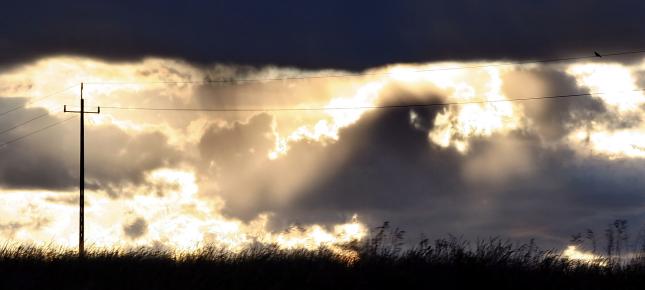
<point>622,97</point>
<point>615,81</point>
<point>627,143</point>
<point>340,113</point>
<point>176,218</point>
<point>572,253</point>
<point>455,125</point>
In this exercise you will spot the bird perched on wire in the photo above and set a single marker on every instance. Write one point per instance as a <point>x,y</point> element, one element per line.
<point>597,54</point>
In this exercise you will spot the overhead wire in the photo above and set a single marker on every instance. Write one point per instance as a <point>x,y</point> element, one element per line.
<point>37,100</point>
<point>24,123</point>
<point>280,109</point>
<point>5,144</point>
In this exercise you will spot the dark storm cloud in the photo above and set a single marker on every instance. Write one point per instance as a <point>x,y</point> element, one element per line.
<point>228,146</point>
<point>235,159</point>
<point>49,160</point>
<point>553,118</point>
<point>314,34</point>
<point>115,157</point>
<point>396,175</point>
<point>230,155</point>
<point>391,166</point>
<point>136,229</point>
<point>521,185</point>
<point>41,163</point>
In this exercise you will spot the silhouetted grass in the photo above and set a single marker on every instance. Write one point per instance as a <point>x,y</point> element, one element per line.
<point>384,263</point>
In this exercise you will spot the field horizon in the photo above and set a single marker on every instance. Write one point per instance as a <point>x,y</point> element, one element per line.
<point>380,261</point>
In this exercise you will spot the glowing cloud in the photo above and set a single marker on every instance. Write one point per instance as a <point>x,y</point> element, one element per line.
<point>456,124</point>
<point>175,218</point>
<point>181,206</point>
<point>617,87</point>
<point>615,81</point>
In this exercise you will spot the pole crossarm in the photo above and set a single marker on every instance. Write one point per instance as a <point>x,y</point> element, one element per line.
<point>98,110</point>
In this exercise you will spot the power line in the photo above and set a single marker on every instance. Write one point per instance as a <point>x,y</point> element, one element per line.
<point>243,81</point>
<point>4,145</point>
<point>353,107</point>
<point>24,123</point>
<point>38,100</point>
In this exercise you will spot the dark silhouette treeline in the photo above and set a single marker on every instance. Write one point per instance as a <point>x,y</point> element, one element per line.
<point>384,263</point>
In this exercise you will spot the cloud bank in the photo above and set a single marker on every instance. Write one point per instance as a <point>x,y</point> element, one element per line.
<point>539,168</point>
<point>319,34</point>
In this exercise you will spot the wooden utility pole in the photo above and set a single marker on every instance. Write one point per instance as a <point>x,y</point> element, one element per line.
<point>81,203</point>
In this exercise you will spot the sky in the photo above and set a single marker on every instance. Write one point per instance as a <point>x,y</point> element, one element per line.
<point>305,158</point>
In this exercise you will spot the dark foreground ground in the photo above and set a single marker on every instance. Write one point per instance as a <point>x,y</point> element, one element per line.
<point>442,264</point>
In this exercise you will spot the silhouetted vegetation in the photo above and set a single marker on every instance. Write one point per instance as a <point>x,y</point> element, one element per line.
<point>384,263</point>
<point>618,247</point>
